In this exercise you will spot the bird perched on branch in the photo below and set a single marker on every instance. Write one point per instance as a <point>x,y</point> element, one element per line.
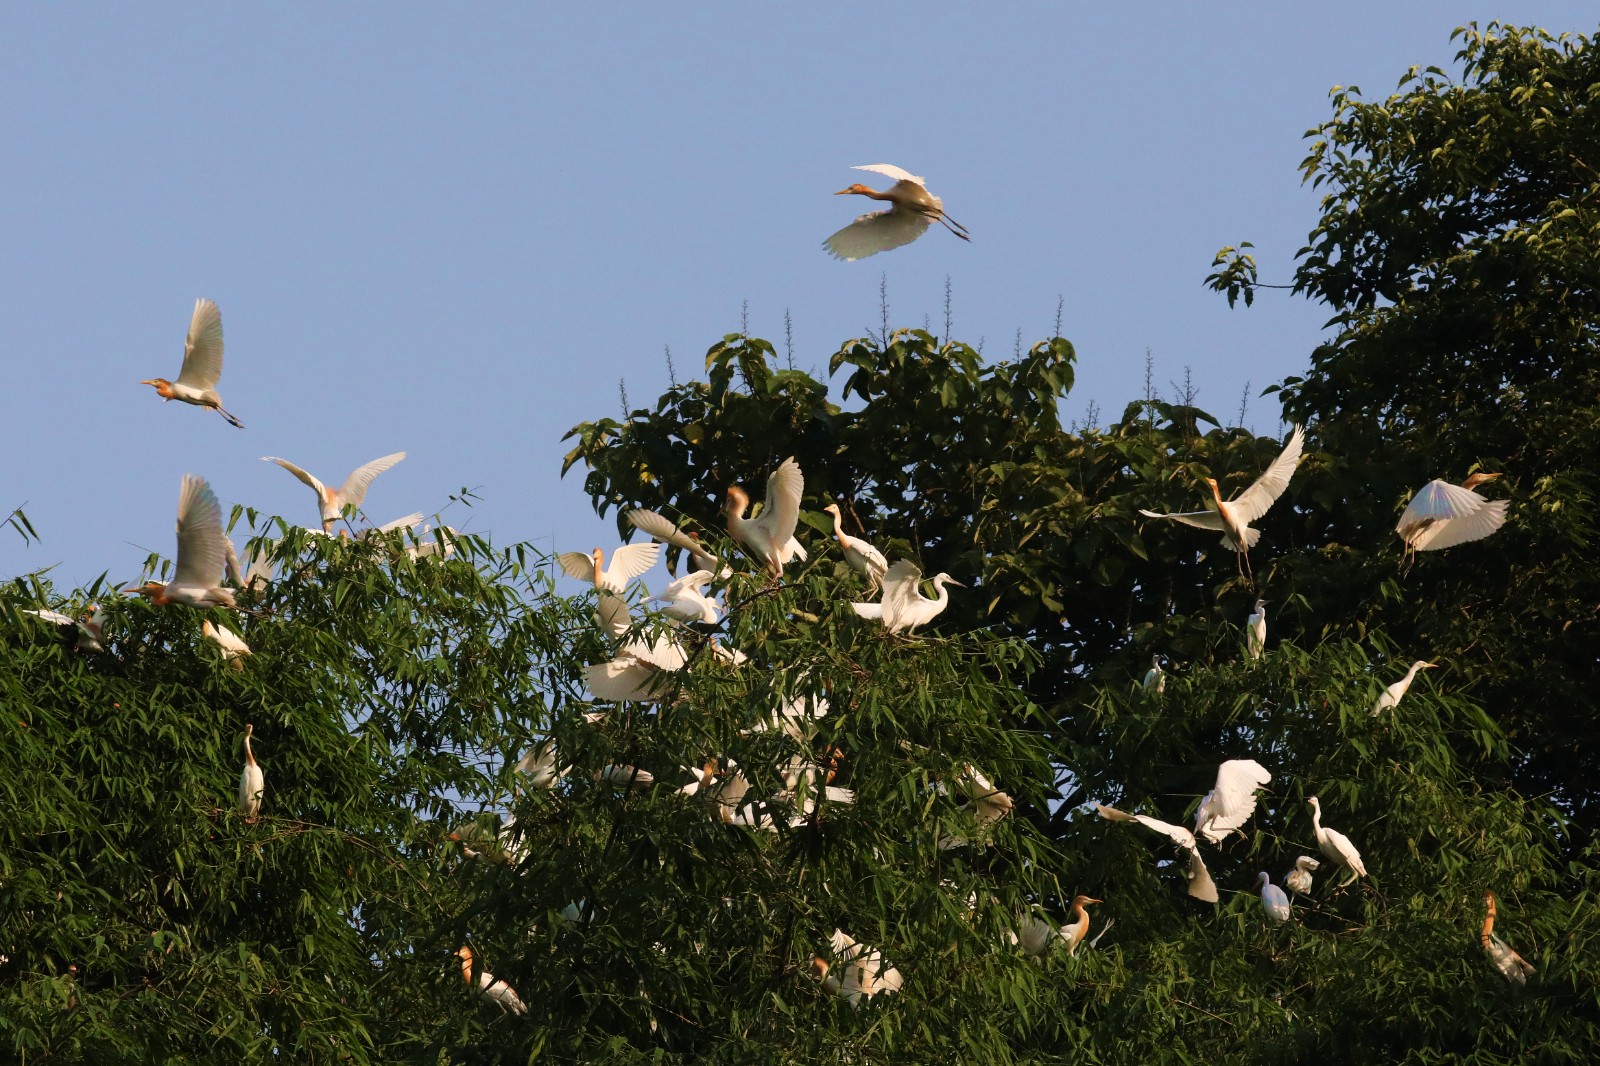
<point>1512,967</point>
<point>202,364</point>
<point>252,782</point>
<point>862,557</point>
<point>1335,845</point>
<point>903,607</point>
<point>769,539</point>
<point>1390,696</point>
<point>912,209</point>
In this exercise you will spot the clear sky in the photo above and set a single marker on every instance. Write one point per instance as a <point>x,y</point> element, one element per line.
<point>454,229</point>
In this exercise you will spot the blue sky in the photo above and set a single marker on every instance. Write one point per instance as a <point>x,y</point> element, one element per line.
<point>455,229</point>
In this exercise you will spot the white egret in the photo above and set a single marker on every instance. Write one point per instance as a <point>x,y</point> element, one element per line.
<point>903,607</point>
<point>1299,878</point>
<point>1155,679</point>
<point>1200,884</point>
<point>863,557</point>
<point>687,602</point>
<point>332,502</point>
<point>912,209</point>
<point>1255,631</point>
<point>1335,845</point>
<point>654,525</point>
<point>233,648</point>
<point>1035,935</point>
<point>1232,801</point>
<point>1074,932</point>
<point>1512,967</point>
<point>865,973</point>
<point>1233,517</point>
<point>252,782</point>
<point>1273,898</point>
<point>1391,695</point>
<point>490,987</point>
<point>770,538</point>
<point>202,551</point>
<point>639,671</point>
<point>88,632</point>
<point>1442,515</point>
<point>430,542</point>
<point>202,363</point>
<point>622,775</point>
<point>610,582</point>
<point>989,804</point>
<point>541,766</point>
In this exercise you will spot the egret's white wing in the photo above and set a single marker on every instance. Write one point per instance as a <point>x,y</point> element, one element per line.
<point>410,521</point>
<point>55,617</point>
<point>889,170</point>
<point>202,348</point>
<point>1175,833</point>
<point>354,489</point>
<point>900,591</point>
<point>1231,803</point>
<point>1488,518</point>
<point>1200,884</point>
<point>691,583</point>
<point>780,512</point>
<point>656,525</point>
<point>873,611</point>
<point>579,565</point>
<point>303,475</point>
<point>201,549</point>
<point>624,678</point>
<point>628,562</point>
<point>876,231</point>
<point>1439,500</point>
<point>1198,519</point>
<point>1253,502</point>
<point>663,653</point>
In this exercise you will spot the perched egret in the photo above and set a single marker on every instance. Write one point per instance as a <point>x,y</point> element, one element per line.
<point>865,973</point>
<point>622,775</point>
<point>1255,631</point>
<point>686,600</point>
<point>654,525</point>
<point>1273,898</point>
<point>989,804</point>
<point>639,671</point>
<point>202,363</point>
<point>1391,695</point>
<point>1036,935</point>
<point>1512,967</point>
<point>770,538</point>
<point>541,767</point>
<point>1234,516</point>
<point>863,557</point>
<point>912,209</point>
<point>1335,845</point>
<point>202,551</point>
<point>1200,884</point>
<point>88,632</point>
<point>332,502</point>
<point>490,987</point>
<point>233,649</point>
<point>1299,878</point>
<point>627,563</point>
<point>252,782</point>
<point>1155,678</point>
<point>1442,515</point>
<point>1074,932</point>
<point>903,607</point>
<point>1233,799</point>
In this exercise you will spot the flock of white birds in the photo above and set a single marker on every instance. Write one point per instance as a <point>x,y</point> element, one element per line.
<point>1440,515</point>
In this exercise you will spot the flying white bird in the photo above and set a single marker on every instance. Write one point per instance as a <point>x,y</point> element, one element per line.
<point>903,607</point>
<point>1442,515</point>
<point>202,552</point>
<point>610,582</point>
<point>1155,678</point>
<point>233,649</point>
<point>1234,516</point>
<point>1299,878</point>
<point>252,782</point>
<point>686,600</point>
<point>490,987</point>
<point>332,502</point>
<point>654,525</point>
<point>1273,898</point>
<point>1255,631</point>
<point>1232,801</point>
<point>1512,967</point>
<point>863,557</point>
<point>1391,695</point>
<point>202,363</point>
<point>912,209</point>
<point>770,538</point>
<point>1335,845</point>
<point>1200,884</point>
<point>88,631</point>
<point>865,974</point>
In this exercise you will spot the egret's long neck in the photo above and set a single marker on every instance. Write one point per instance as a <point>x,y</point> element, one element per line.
<point>1488,921</point>
<point>838,528</point>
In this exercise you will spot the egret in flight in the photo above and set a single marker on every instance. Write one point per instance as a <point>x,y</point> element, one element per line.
<point>1512,967</point>
<point>202,552</point>
<point>1233,517</point>
<point>331,502</point>
<point>655,525</point>
<point>1335,845</point>
<point>88,632</point>
<point>770,538</point>
<point>863,557</point>
<point>912,209</point>
<point>1390,696</point>
<point>1200,884</point>
<point>1233,799</point>
<point>627,563</point>
<point>202,364</point>
<point>1442,515</point>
